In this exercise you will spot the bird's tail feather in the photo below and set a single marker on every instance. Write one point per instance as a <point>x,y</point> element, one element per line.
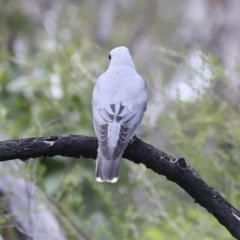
<point>107,170</point>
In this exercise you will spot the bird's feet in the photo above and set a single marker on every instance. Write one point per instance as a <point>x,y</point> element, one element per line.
<point>133,139</point>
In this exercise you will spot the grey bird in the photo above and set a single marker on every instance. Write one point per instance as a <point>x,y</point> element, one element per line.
<point>118,103</point>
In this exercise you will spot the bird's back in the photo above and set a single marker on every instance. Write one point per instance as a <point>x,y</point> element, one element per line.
<point>121,84</point>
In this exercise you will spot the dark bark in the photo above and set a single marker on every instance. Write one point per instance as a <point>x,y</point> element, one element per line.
<point>175,170</point>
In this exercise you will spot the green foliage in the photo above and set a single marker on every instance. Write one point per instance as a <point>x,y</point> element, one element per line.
<point>205,132</point>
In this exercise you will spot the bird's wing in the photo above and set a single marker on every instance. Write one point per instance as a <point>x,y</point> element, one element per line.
<point>129,119</point>
<point>126,116</point>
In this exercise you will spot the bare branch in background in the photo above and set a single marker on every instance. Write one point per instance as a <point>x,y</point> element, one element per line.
<point>107,15</point>
<point>25,206</point>
<point>215,25</point>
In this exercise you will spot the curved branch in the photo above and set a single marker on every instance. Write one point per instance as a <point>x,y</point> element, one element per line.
<point>175,170</point>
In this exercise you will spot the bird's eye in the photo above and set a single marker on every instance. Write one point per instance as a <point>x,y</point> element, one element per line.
<point>109,56</point>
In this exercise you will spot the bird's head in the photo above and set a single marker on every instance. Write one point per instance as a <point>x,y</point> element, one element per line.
<point>121,56</point>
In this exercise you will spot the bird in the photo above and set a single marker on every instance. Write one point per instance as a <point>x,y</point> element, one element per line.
<point>119,101</point>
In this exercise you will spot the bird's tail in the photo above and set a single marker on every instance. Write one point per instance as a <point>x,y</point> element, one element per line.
<point>107,170</point>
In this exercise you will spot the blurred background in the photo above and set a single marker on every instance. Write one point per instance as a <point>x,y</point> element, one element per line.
<point>52,51</point>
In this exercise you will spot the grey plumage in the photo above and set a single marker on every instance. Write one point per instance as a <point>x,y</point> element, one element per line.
<point>119,102</point>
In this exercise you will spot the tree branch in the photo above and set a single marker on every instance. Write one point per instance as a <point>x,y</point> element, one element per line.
<point>175,170</point>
